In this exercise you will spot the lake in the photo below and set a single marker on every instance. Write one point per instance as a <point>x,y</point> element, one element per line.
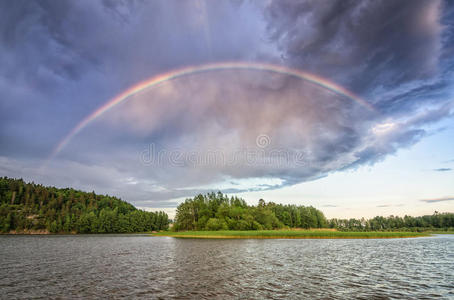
<point>139,266</point>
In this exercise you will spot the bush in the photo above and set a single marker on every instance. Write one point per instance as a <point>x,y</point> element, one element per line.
<point>216,224</point>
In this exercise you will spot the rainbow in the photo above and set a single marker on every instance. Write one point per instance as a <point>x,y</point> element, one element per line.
<point>161,78</point>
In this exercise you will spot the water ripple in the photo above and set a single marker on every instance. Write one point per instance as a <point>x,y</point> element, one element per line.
<point>134,266</point>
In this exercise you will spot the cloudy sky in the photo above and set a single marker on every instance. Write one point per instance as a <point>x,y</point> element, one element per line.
<point>257,133</point>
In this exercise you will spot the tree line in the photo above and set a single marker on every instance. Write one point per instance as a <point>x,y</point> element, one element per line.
<point>27,207</point>
<point>442,221</point>
<point>32,207</point>
<point>216,211</point>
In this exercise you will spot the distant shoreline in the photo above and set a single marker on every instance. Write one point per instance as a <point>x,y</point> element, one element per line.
<point>293,234</point>
<point>287,237</point>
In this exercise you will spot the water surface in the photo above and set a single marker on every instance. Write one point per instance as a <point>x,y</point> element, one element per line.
<point>126,266</point>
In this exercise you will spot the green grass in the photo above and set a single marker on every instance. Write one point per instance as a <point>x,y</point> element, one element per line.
<point>289,234</point>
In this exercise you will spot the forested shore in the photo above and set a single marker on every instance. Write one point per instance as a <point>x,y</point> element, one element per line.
<point>33,208</point>
<point>215,211</point>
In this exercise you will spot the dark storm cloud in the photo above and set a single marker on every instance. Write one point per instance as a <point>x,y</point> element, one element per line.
<point>410,98</point>
<point>365,44</point>
<point>63,59</point>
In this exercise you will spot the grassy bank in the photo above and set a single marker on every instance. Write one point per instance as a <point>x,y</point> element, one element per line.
<point>289,234</point>
<point>440,231</point>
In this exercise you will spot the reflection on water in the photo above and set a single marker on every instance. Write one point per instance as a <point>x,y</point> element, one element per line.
<point>117,266</point>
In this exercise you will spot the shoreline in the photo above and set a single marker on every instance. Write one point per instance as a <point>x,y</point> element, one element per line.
<point>232,237</point>
<point>293,234</point>
<point>72,233</point>
<point>268,234</point>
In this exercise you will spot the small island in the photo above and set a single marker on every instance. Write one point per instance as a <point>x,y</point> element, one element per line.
<point>217,216</point>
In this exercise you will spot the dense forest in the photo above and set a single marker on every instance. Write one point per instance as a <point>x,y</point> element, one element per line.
<point>26,207</point>
<point>216,211</point>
